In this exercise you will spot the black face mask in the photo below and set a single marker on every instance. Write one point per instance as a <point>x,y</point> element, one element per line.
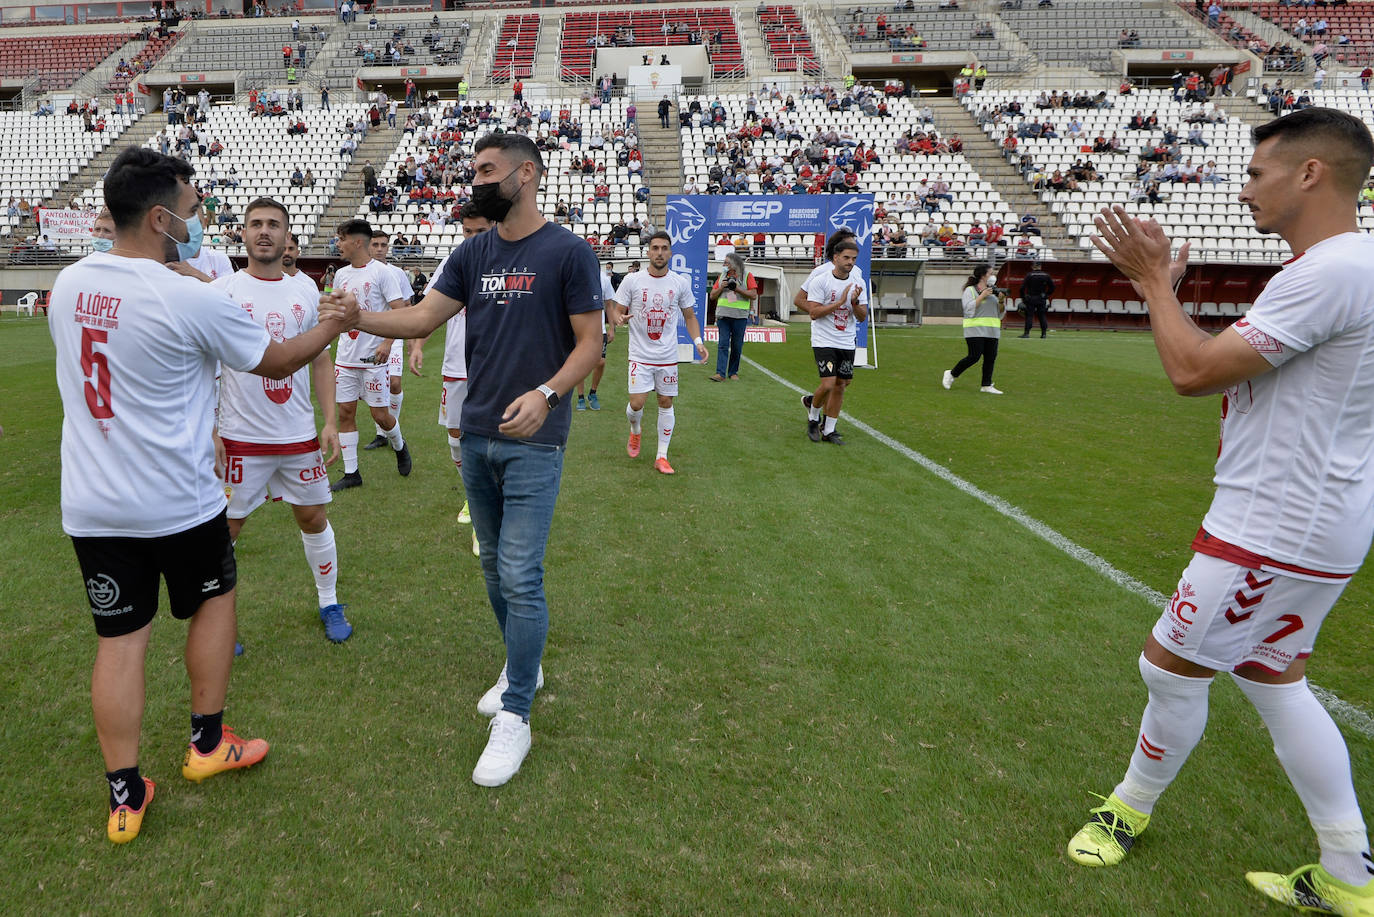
<point>490,202</point>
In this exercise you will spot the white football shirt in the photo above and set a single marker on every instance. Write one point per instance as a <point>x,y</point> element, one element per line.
<point>136,348</point>
<point>1294,477</point>
<point>255,409</point>
<point>212,263</point>
<point>837,328</point>
<point>654,304</point>
<point>455,368</point>
<point>375,286</point>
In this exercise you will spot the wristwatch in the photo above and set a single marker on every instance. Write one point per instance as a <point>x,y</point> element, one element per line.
<point>550,396</point>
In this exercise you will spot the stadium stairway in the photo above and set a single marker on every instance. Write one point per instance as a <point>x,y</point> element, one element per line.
<point>92,84</point>
<point>137,134</point>
<point>380,143</point>
<point>986,158</point>
<point>1273,34</point>
<point>547,59</point>
<point>662,152</point>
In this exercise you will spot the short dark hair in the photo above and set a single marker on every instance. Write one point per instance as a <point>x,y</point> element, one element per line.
<point>268,202</point>
<point>295,238</point>
<point>380,234</point>
<point>664,236</point>
<point>1340,140</point>
<point>849,243</point>
<point>469,211</point>
<point>355,227</point>
<point>516,146</point>
<point>836,237</point>
<point>140,179</point>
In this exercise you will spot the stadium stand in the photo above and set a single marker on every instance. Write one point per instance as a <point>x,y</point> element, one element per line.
<point>1353,22</point>
<point>423,212</point>
<point>1204,212</point>
<point>814,148</point>
<point>632,28</point>
<point>415,44</point>
<point>257,51</point>
<point>517,44</point>
<point>925,26</point>
<point>789,47</point>
<point>1084,34</point>
<point>58,60</point>
<point>38,154</point>
<point>258,160</point>
<point>146,58</point>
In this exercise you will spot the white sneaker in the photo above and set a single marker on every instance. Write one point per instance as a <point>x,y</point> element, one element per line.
<point>990,390</point>
<point>507,746</point>
<point>490,704</point>
<point>948,379</point>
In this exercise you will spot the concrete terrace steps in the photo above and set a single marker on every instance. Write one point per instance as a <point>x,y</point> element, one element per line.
<point>377,148</point>
<point>987,159</point>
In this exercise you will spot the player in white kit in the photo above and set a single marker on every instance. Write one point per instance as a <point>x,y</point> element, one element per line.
<point>837,300</point>
<point>268,426</point>
<point>136,348</point>
<point>361,362</point>
<point>1293,514</point>
<point>455,366</point>
<point>586,397</point>
<point>395,367</point>
<point>649,301</point>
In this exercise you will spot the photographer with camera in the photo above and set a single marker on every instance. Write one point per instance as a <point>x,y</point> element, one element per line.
<point>984,306</point>
<point>735,296</point>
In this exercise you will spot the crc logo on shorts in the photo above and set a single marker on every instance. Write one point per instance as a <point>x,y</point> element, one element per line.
<point>374,385</point>
<point>311,475</point>
<point>278,391</point>
<point>103,591</point>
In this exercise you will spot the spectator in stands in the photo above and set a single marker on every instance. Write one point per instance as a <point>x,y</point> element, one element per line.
<point>348,146</point>
<point>227,216</point>
<point>1029,225</point>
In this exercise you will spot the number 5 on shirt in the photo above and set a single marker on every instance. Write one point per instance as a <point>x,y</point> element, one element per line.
<point>96,369</point>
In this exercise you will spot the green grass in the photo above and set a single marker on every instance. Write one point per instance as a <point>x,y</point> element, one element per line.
<point>791,679</point>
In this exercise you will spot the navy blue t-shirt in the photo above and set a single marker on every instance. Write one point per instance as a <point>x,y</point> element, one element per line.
<point>519,296</point>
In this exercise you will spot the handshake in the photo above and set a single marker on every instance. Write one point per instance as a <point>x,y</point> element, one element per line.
<point>339,307</point>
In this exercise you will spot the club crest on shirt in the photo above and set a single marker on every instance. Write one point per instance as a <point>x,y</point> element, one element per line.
<point>298,311</point>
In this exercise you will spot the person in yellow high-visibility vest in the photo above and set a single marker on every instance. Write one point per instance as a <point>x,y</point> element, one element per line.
<point>983,311</point>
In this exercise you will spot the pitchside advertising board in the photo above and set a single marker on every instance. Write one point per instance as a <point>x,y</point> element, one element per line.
<point>695,219</point>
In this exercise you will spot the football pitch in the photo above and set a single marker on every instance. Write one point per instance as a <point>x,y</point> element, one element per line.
<point>792,679</point>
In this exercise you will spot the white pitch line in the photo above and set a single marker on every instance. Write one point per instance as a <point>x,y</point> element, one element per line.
<point>1352,716</point>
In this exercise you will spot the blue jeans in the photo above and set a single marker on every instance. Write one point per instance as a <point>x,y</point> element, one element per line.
<point>511,490</point>
<point>730,344</point>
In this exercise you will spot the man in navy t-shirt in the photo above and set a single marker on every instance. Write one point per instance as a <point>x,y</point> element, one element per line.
<point>532,291</point>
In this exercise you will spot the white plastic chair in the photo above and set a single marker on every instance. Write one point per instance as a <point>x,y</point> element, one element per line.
<point>26,304</point>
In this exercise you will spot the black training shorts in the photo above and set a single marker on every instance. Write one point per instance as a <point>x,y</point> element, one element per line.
<point>122,574</point>
<point>832,361</point>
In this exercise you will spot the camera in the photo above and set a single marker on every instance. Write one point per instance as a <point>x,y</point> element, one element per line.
<point>731,284</point>
<point>1000,291</point>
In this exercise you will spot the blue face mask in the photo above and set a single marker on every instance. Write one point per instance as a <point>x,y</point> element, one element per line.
<point>102,245</point>
<point>195,235</point>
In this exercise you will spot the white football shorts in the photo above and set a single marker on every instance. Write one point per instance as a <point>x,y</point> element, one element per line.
<point>1224,616</point>
<point>396,365</point>
<point>646,377</point>
<point>368,385</point>
<point>299,479</point>
<point>451,398</point>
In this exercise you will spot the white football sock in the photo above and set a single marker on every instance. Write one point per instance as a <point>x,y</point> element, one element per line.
<point>814,413</point>
<point>635,417</point>
<point>396,401</point>
<point>666,419</point>
<point>1314,756</point>
<point>455,449</point>
<point>394,437</point>
<point>348,445</point>
<point>829,426</point>
<point>1170,729</point>
<point>324,563</point>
